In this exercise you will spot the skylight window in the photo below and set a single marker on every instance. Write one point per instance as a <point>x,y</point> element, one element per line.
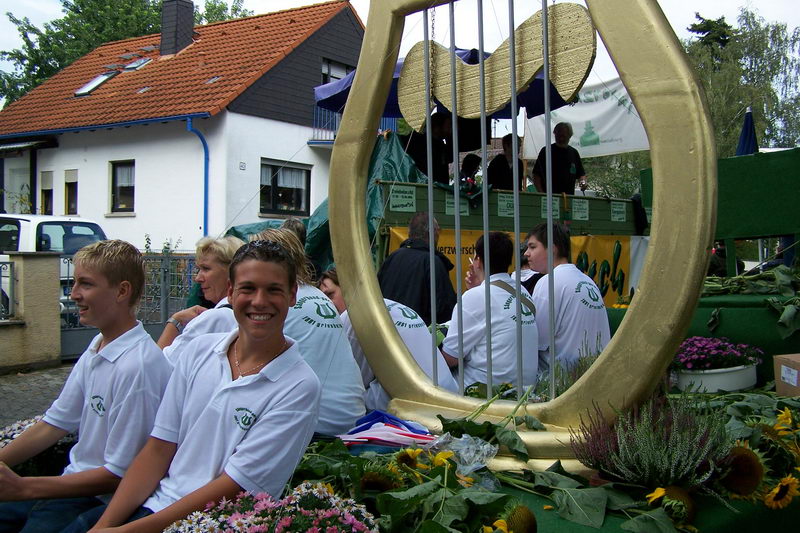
<point>212,79</point>
<point>136,65</point>
<point>143,90</point>
<point>96,82</point>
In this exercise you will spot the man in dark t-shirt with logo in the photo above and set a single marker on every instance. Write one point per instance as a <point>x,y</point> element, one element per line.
<point>567,166</point>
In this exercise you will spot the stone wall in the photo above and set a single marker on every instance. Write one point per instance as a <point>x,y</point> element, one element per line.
<point>32,338</point>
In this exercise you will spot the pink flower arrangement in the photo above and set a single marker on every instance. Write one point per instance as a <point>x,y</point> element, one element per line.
<point>308,509</point>
<point>708,353</point>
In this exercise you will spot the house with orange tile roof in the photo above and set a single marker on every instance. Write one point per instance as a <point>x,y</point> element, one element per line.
<point>187,132</point>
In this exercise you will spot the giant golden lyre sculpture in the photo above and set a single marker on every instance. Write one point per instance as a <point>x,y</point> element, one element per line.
<point>572,51</point>
<point>653,67</point>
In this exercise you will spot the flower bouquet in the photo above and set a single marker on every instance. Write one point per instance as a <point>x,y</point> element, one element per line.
<point>309,508</point>
<point>714,364</point>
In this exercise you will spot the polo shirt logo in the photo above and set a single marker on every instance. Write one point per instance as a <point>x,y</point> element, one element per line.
<point>325,311</point>
<point>244,417</point>
<point>593,301</point>
<point>408,313</point>
<point>96,403</point>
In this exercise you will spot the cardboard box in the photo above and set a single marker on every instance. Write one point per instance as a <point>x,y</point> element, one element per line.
<point>787,374</point>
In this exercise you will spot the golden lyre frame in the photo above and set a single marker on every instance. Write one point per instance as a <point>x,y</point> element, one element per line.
<point>654,69</point>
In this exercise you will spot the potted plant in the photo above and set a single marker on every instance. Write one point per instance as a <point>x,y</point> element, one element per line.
<point>714,364</point>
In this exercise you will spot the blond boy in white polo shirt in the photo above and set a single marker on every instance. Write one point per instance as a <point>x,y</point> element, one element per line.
<point>110,399</point>
<point>237,415</point>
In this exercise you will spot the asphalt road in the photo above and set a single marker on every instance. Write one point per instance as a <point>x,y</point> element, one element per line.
<point>25,395</point>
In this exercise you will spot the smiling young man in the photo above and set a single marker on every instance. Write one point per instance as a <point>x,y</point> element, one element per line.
<point>110,399</point>
<point>237,414</point>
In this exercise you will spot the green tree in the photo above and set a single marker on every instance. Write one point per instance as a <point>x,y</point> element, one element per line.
<point>616,176</point>
<point>755,65</point>
<point>218,10</point>
<point>87,24</point>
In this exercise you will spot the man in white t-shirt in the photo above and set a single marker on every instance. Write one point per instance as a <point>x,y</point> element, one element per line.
<point>503,321</point>
<point>236,416</point>
<point>417,338</point>
<point>110,399</point>
<point>581,321</point>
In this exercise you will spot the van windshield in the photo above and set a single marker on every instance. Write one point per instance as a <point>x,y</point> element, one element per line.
<point>66,237</point>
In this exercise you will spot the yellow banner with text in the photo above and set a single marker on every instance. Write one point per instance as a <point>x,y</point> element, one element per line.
<point>604,258</point>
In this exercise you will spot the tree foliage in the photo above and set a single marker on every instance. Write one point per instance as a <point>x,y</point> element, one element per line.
<point>757,65</point>
<point>87,24</point>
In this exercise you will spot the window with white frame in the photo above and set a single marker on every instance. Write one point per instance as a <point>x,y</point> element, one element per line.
<point>285,188</point>
<point>122,186</point>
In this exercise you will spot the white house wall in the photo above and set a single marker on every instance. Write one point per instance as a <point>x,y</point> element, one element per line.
<point>249,139</point>
<point>168,199</point>
<point>168,159</point>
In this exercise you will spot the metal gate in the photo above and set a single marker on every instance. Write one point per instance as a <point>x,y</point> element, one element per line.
<point>168,281</point>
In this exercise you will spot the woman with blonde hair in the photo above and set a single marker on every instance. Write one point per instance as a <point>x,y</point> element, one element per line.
<point>316,326</point>
<point>212,259</point>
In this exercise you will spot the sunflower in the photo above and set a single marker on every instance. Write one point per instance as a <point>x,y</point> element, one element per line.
<point>441,458</point>
<point>499,525</point>
<point>781,496</point>
<point>378,482</point>
<point>521,520</point>
<point>746,470</point>
<point>675,501</point>
<point>783,423</point>
<point>655,495</point>
<point>408,457</point>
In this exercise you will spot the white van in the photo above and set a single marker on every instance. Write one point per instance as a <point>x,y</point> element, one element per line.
<point>45,233</point>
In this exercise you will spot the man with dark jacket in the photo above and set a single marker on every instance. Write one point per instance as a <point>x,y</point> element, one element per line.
<point>405,275</point>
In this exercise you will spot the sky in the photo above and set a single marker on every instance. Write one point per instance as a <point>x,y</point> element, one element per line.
<point>680,13</point>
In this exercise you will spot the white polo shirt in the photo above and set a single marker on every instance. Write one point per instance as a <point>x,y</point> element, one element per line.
<point>581,321</point>
<point>220,319</point>
<point>417,338</point>
<point>504,336</point>
<point>316,326</point>
<point>255,428</point>
<point>110,399</point>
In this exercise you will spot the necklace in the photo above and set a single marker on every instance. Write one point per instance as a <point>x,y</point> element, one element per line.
<point>257,367</point>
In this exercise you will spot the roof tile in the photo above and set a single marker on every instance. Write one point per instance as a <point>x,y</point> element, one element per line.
<point>238,51</point>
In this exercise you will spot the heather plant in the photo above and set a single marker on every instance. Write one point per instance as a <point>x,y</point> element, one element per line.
<point>664,442</point>
<point>707,353</point>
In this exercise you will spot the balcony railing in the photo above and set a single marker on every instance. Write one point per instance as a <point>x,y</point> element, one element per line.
<point>326,125</point>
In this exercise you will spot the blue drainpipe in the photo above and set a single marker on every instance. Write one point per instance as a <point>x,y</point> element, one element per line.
<point>205,173</point>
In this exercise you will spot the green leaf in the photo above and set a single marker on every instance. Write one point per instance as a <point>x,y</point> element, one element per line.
<point>655,521</point>
<point>530,421</point>
<point>555,480</point>
<point>453,506</point>
<point>738,429</point>
<point>714,319</point>
<point>582,506</point>
<point>461,426</point>
<point>481,497</point>
<point>618,500</point>
<point>511,440</point>
<point>429,526</point>
<point>405,501</point>
<point>789,322</point>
